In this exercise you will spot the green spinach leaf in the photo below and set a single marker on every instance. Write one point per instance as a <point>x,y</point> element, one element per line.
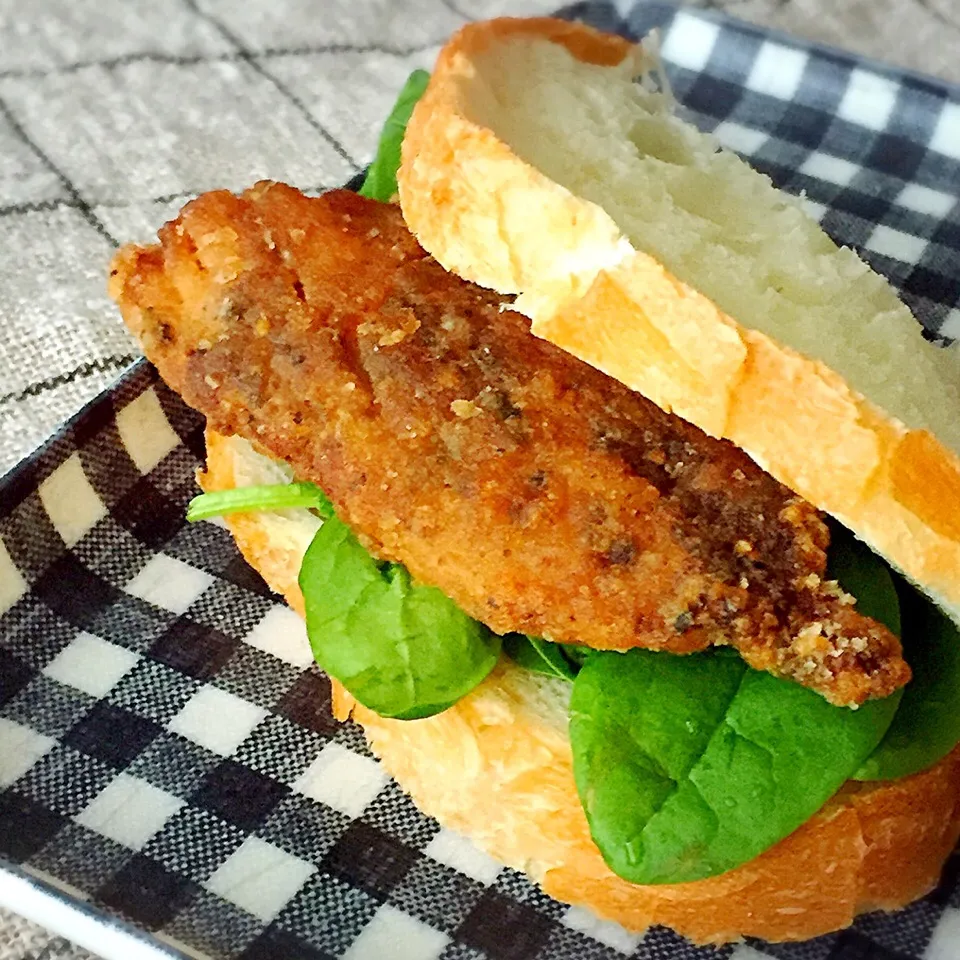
<point>863,575</point>
<point>690,766</point>
<point>403,650</point>
<point>576,653</point>
<point>381,180</point>
<point>927,724</point>
<point>541,656</point>
<point>274,496</point>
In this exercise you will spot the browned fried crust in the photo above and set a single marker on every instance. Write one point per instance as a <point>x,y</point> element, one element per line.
<point>539,494</point>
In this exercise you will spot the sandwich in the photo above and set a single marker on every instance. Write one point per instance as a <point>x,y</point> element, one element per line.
<point>611,490</point>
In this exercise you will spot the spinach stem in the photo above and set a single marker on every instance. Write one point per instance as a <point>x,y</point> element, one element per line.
<point>276,496</point>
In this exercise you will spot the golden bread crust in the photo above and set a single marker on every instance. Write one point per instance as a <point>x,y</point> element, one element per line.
<point>493,218</point>
<point>498,768</point>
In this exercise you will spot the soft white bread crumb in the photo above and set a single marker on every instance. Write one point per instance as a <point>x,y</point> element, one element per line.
<point>497,767</point>
<point>714,223</point>
<point>534,165</point>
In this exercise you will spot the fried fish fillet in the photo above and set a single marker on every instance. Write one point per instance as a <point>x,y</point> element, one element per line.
<point>539,494</point>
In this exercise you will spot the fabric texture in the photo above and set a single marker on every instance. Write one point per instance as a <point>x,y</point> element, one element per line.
<point>113,114</point>
<point>166,748</point>
<point>22,940</point>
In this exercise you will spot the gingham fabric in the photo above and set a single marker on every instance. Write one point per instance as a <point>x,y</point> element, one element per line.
<point>167,753</point>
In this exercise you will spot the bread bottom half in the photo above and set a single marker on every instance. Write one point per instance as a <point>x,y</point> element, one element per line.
<point>497,767</point>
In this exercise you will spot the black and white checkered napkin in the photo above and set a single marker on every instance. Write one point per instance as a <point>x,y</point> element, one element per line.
<point>167,752</point>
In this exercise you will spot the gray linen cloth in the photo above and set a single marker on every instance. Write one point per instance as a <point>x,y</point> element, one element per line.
<point>114,112</point>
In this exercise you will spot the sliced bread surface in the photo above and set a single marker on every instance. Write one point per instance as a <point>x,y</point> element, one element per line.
<point>536,165</point>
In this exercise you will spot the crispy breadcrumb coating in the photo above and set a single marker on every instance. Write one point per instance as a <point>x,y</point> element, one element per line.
<point>538,493</point>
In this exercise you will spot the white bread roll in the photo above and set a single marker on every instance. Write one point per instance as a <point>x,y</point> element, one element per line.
<point>535,165</point>
<point>497,767</point>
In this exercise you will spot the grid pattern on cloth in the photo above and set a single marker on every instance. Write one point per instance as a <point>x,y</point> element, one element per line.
<point>113,114</point>
<point>167,753</point>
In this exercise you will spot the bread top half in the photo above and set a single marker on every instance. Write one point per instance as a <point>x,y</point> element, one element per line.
<point>545,160</point>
